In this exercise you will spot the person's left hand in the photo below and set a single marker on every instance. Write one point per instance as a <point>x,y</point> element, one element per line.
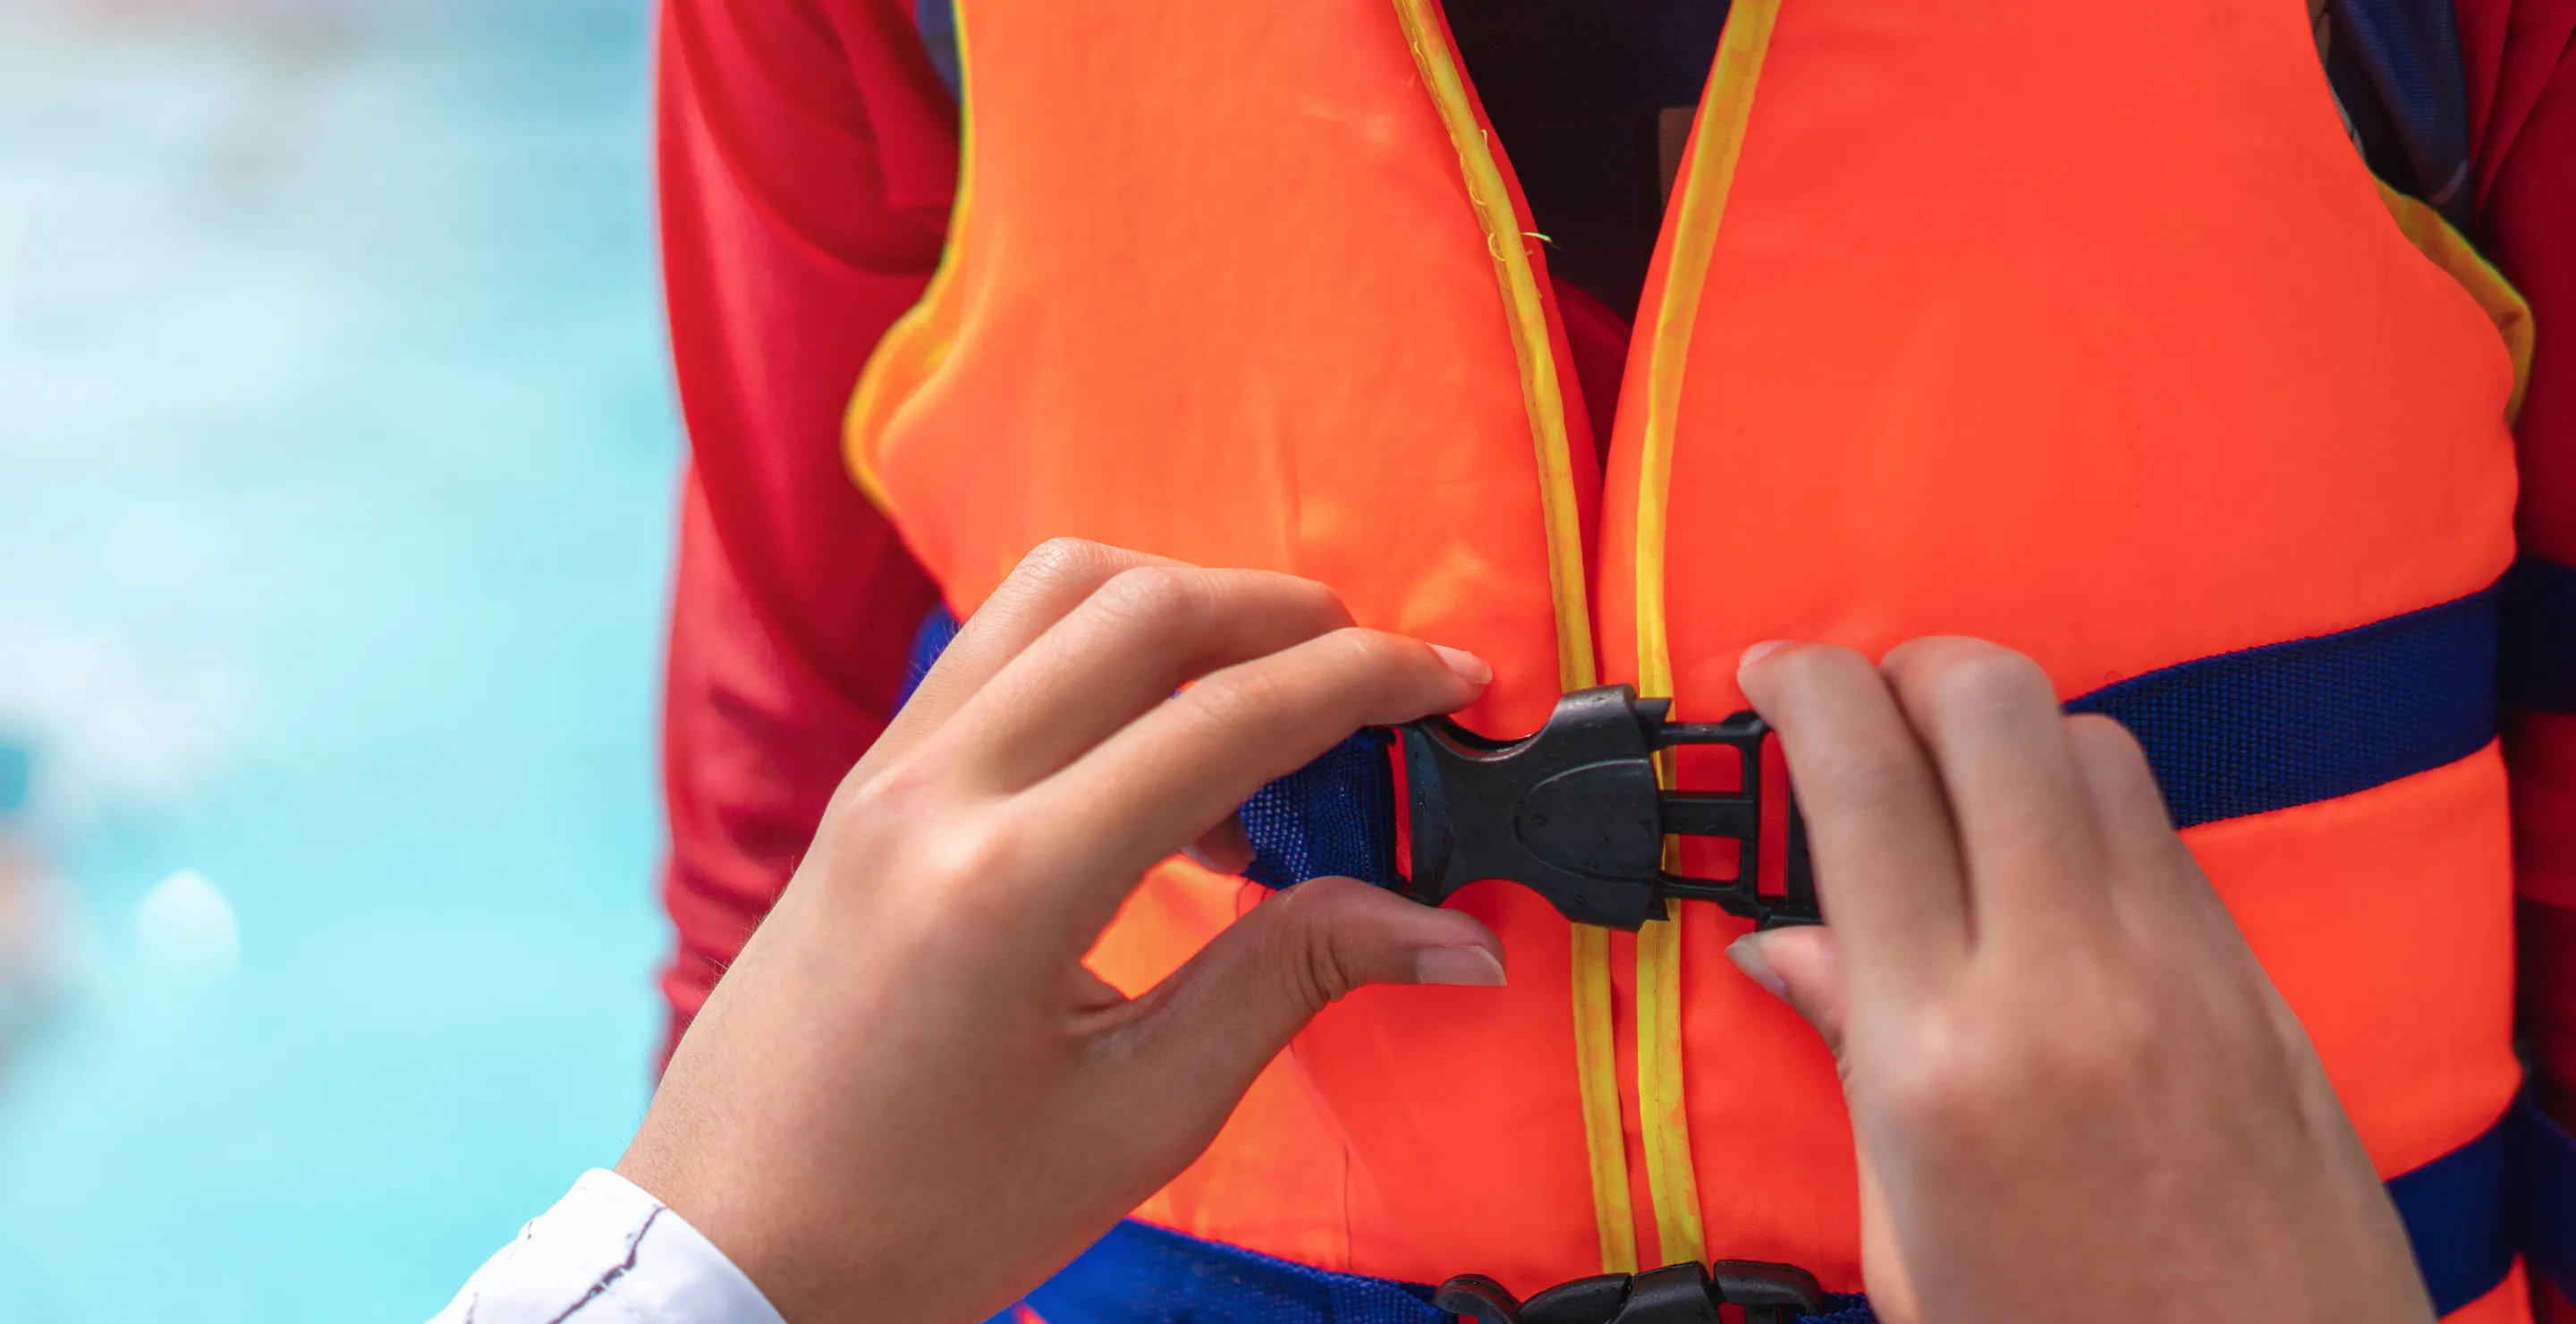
<point>908,1100</point>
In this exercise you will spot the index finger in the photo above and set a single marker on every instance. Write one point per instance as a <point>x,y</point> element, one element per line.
<point>1887,860</point>
<point>1045,587</point>
<point>1192,759</point>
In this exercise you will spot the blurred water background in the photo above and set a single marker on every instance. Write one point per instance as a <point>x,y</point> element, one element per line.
<point>336,464</point>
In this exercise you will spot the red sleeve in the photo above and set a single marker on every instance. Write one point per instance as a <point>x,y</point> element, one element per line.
<point>807,154</point>
<point>2522,94</point>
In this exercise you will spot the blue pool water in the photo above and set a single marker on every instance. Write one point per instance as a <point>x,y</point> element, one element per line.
<point>333,420</point>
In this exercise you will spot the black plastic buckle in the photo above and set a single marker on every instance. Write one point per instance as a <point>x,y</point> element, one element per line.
<point>1674,1294</point>
<point>1574,813</point>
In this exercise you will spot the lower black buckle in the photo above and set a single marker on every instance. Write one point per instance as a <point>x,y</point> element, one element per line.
<point>1674,1294</point>
<point>1575,814</point>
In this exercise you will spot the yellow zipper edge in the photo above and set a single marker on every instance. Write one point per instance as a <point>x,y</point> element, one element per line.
<point>1672,1178</point>
<point>1543,396</point>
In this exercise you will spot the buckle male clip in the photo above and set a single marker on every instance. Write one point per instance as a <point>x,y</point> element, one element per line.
<point>1575,813</point>
<point>1675,1294</point>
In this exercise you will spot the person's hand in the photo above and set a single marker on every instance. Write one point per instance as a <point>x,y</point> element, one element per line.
<point>908,1100</point>
<point>2076,1095</point>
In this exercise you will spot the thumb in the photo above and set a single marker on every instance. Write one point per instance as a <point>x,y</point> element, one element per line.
<point>1224,1014</point>
<point>1800,967</point>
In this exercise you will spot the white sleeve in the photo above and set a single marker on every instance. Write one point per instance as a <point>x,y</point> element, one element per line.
<point>608,1253</point>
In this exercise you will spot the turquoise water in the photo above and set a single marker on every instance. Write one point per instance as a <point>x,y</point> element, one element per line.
<point>333,421</point>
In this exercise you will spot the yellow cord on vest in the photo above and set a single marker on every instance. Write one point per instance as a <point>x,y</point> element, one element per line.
<point>1542,394</point>
<point>1717,143</point>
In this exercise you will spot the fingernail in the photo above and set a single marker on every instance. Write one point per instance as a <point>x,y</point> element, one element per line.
<point>1746,952</point>
<point>1465,967</point>
<point>1758,652</point>
<point>1470,668</point>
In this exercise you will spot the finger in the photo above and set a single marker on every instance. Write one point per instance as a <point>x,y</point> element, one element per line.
<point>2129,813</point>
<point>1141,635</point>
<point>1198,1038</point>
<point>1801,968</point>
<point>1225,848</point>
<point>1048,583</point>
<point>1198,755</point>
<point>1887,867</point>
<point>2154,882</point>
<point>1991,722</point>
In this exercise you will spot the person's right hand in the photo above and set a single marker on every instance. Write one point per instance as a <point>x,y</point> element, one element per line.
<point>2076,1094</point>
<point>910,1099</point>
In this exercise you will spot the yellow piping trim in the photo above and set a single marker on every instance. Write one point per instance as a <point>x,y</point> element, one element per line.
<point>1718,143</point>
<point>916,342</point>
<point>1542,395</point>
<point>2452,252</point>
<point>1596,1063</point>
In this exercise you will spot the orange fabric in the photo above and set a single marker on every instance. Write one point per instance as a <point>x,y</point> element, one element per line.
<point>2509,1303</point>
<point>1219,289</point>
<point>2079,436</point>
<point>2010,327</point>
<point>1277,1142</point>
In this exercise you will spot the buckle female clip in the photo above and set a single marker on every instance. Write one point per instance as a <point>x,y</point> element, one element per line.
<point>1575,814</point>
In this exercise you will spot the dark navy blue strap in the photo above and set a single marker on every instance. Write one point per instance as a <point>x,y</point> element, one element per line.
<point>2543,1161</point>
<point>2293,723</point>
<point>2540,637</point>
<point>1141,1274</point>
<point>2229,735</point>
<point>2459,1215</point>
<point>2456,1211</point>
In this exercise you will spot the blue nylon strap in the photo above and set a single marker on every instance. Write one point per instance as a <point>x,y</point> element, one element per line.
<point>2540,637</point>
<point>2459,1216</point>
<point>1335,816</point>
<point>2229,735</point>
<point>2455,1209</point>
<point>2312,719</point>
<point>2543,1160</point>
<point>1142,1274</point>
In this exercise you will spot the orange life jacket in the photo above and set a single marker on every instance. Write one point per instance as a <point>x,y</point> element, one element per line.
<point>2077,327</point>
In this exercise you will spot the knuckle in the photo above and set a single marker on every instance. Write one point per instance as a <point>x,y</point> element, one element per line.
<point>1235,696</point>
<point>1982,677</point>
<point>1147,593</point>
<point>1867,779</point>
<point>1322,601</point>
<point>1944,1076</point>
<point>968,862</point>
<point>1320,971</point>
<point>1057,558</point>
<point>1805,669</point>
<point>1374,650</point>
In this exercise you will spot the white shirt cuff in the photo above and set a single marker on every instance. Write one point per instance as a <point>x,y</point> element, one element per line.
<point>608,1253</point>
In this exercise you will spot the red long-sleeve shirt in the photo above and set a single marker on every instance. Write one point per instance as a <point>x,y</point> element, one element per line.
<point>808,154</point>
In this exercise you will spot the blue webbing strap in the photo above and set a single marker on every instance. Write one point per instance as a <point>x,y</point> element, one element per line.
<point>1142,1274</point>
<point>2455,1210</point>
<point>2540,637</point>
<point>2312,719</point>
<point>2543,1160</point>
<point>2459,1215</point>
